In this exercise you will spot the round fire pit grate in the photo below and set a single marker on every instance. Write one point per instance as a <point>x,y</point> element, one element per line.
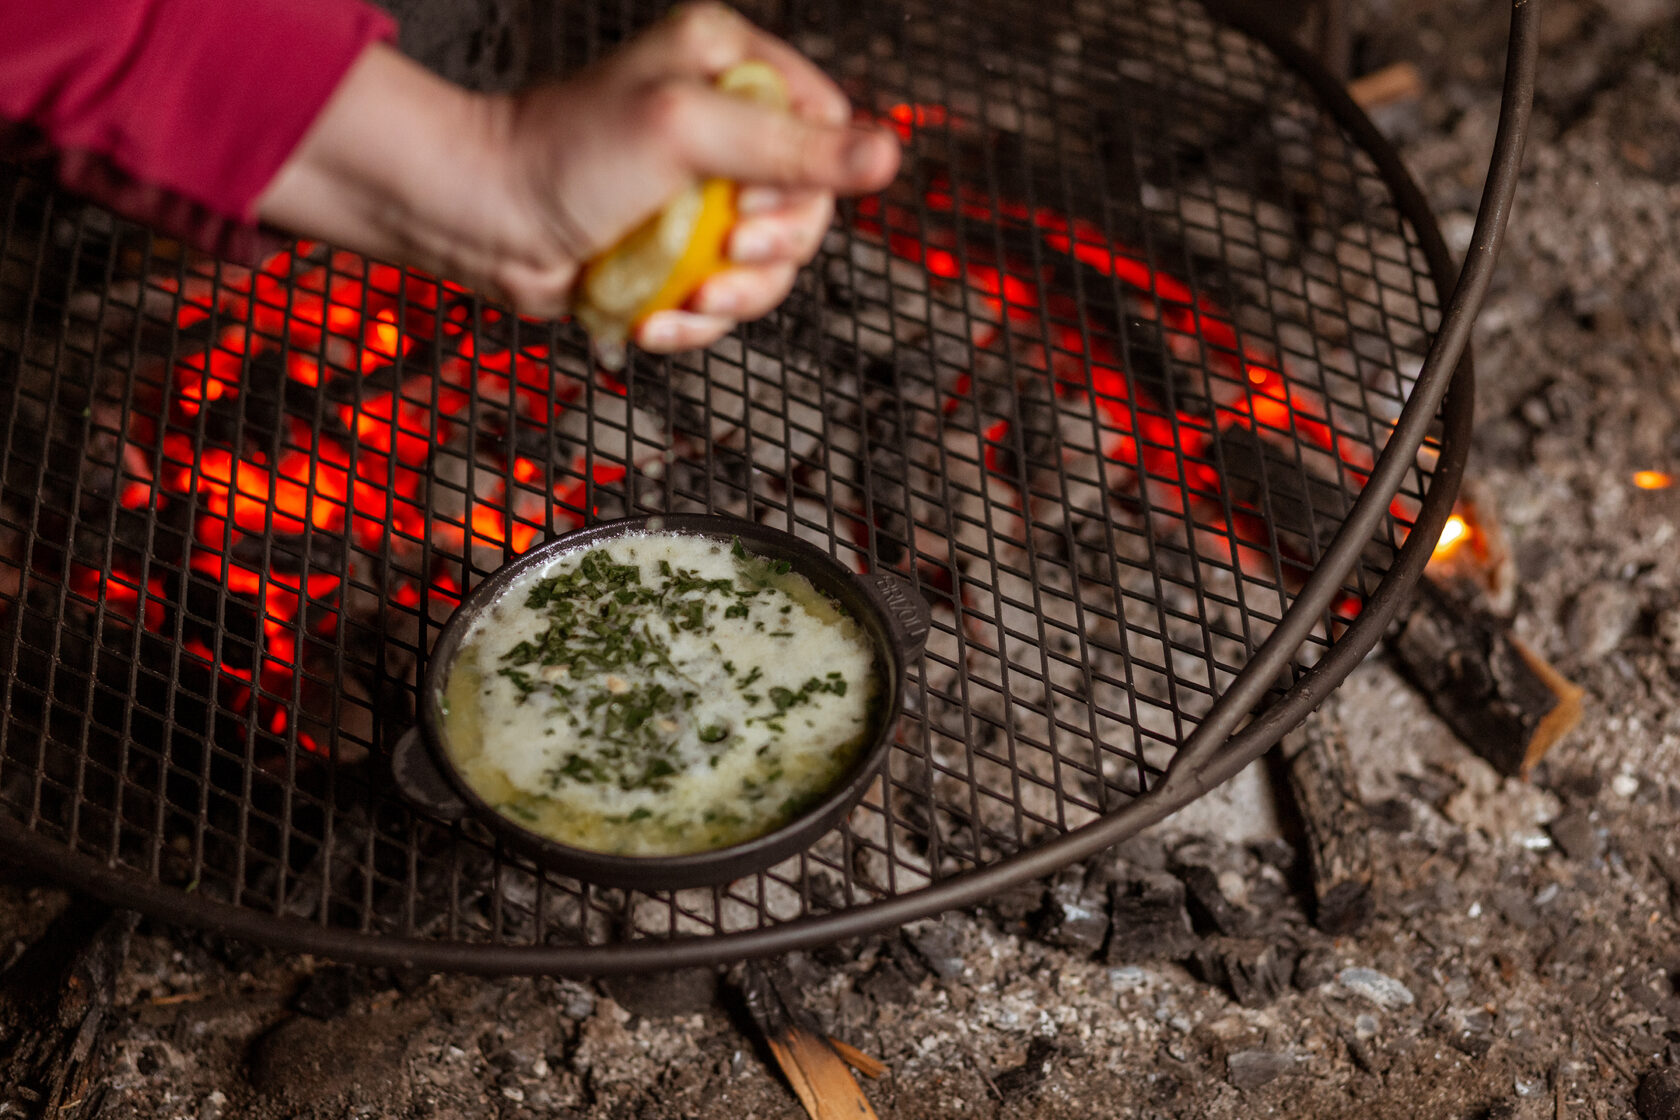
<point>1103,375</point>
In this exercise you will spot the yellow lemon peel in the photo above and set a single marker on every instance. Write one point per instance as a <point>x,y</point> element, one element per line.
<point>658,265</point>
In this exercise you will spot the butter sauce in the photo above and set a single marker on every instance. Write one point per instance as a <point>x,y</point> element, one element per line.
<point>658,694</point>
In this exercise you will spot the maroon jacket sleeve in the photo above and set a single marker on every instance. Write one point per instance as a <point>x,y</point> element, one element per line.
<point>175,112</point>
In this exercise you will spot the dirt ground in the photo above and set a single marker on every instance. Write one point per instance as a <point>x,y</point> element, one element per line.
<point>1522,962</point>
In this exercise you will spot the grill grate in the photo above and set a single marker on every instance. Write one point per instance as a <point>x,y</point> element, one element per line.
<point>1101,375</point>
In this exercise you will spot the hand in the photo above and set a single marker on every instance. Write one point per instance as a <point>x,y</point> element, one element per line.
<point>512,193</point>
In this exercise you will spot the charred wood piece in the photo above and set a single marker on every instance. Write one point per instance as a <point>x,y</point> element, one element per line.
<point>815,1067</point>
<point>1150,922</point>
<point>1500,697</point>
<point>1076,912</point>
<point>1254,972</point>
<point>1209,908</point>
<point>1326,796</point>
<point>54,1007</point>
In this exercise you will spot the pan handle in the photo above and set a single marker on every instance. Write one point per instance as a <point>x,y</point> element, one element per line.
<point>420,780</point>
<point>905,610</point>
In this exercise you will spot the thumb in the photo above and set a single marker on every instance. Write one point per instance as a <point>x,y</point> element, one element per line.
<point>730,137</point>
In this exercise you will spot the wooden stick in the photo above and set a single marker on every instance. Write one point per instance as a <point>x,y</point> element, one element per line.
<point>815,1066</point>
<point>857,1059</point>
<point>1399,81</point>
<point>1326,795</point>
<point>1560,720</point>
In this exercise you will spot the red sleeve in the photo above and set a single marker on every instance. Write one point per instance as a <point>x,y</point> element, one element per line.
<point>176,112</point>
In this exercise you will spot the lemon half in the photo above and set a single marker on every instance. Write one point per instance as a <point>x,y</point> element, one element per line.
<point>658,265</point>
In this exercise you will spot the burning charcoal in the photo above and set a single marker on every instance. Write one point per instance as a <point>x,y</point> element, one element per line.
<point>1304,509</point>
<point>285,554</point>
<point>1157,378</point>
<point>1250,1069</point>
<point>1255,973</point>
<point>1149,921</point>
<point>1029,444</point>
<point>1076,912</point>
<point>265,391</point>
<point>1658,1095</point>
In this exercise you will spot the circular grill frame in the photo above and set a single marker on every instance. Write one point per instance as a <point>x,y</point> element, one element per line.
<point>1217,750</point>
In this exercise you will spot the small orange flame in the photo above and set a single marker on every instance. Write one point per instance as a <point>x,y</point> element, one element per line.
<point>1453,535</point>
<point>1652,480</point>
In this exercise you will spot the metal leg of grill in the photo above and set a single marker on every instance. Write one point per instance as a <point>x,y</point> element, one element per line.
<point>1335,39</point>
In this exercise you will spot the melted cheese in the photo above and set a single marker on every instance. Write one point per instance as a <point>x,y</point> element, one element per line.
<point>659,694</point>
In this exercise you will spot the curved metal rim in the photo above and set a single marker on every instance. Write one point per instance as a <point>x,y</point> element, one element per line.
<point>1446,379</point>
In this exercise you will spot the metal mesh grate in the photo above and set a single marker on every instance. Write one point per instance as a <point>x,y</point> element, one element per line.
<point>1101,375</point>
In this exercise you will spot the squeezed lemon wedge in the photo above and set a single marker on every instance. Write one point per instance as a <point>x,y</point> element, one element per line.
<point>658,265</point>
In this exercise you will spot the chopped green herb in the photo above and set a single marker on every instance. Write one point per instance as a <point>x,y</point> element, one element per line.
<point>614,661</point>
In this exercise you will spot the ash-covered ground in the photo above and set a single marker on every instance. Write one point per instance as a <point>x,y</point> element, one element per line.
<point>1523,961</point>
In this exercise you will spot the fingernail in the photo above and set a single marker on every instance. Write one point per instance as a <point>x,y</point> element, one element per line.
<point>751,244</point>
<point>719,297</point>
<point>863,153</point>
<point>757,200</point>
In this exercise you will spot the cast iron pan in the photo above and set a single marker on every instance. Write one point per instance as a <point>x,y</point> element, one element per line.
<point>891,615</point>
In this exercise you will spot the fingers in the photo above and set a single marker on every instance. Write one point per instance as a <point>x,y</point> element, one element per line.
<point>791,228</point>
<point>749,292</point>
<point>728,298</point>
<point>667,332</point>
<point>702,40</point>
<point>699,40</point>
<point>728,137</point>
<point>813,94</point>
